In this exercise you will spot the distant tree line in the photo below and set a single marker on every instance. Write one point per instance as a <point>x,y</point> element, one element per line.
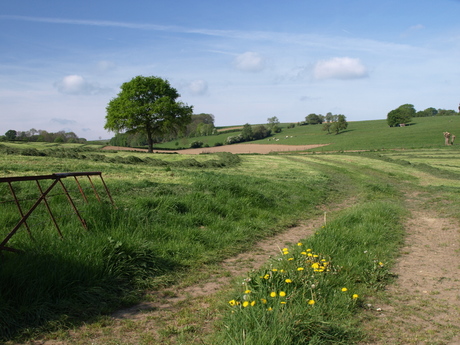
<point>40,135</point>
<point>404,114</point>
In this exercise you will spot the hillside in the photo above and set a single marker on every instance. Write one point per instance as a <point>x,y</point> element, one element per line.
<point>423,132</point>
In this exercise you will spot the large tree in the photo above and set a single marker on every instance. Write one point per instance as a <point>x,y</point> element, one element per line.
<point>147,105</point>
<point>401,115</point>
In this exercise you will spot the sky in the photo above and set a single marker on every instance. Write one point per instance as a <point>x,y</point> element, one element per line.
<point>62,61</point>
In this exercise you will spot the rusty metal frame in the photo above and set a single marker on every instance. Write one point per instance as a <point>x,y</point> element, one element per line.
<point>57,178</point>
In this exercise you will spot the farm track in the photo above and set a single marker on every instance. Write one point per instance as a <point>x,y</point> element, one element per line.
<point>423,305</point>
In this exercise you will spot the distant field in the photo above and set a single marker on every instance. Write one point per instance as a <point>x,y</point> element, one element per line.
<point>423,132</point>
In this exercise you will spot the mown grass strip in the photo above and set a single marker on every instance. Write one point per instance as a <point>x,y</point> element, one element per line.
<point>311,292</point>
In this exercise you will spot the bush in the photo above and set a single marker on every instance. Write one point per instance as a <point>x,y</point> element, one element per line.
<point>196,144</point>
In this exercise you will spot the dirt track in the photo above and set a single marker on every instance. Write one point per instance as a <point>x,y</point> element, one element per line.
<point>237,148</point>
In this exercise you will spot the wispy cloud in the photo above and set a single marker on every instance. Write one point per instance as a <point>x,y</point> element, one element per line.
<point>249,62</point>
<point>340,68</point>
<point>77,85</point>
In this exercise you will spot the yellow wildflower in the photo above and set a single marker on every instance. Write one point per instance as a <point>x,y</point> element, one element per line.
<point>263,300</point>
<point>355,296</point>
<point>253,303</point>
<point>245,304</point>
<point>247,291</point>
<point>272,294</point>
<point>311,302</point>
<point>270,309</point>
<point>288,281</point>
<point>282,293</point>
<point>299,244</point>
<point>344,289</point>
<point>266,276</point>
<point>232,302</point>
<point>300,269</point>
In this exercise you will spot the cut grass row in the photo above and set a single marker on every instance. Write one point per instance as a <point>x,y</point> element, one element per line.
<point>167,223</point>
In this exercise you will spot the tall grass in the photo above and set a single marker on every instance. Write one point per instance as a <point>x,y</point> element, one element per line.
<point>161,227</point>
<point>311,291</point>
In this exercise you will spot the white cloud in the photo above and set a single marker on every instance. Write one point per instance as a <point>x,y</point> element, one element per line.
<point>63,121</point>
<point>198,87</point>
<point>339,68</point>
<point>77,85</point>
<point>249,62</point>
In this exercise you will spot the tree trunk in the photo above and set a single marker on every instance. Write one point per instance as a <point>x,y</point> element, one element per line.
<point>150,142</point>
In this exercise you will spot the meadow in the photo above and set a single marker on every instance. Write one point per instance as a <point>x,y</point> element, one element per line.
<point>176,217</point>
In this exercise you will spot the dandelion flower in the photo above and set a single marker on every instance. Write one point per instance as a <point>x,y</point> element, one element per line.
<point>263,300</point>
<point>344,289</point>
<point>232,302</point>
<point>282,293</point>
<point>311,302</point>
<point>315,265</point>
<point>300,269</point>
<point>266,276</point>
<point>273,294</point>
<point>310,254</point>
<point>274,270</point>
<point>270,309</point>
<point>253,303</point>
<point>285,249</point>
<point>245,304</point>
<point>355,296</point>
<point>288,281</point>
<point>303,253</point>
<point>282,302</point>
<point>247,291</point>
<point>282,271</point>
<point>299,244</point>
<point>308,250</point>
<point>290,259</point>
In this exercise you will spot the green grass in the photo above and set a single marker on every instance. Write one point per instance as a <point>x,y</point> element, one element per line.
<point>424,132</point>
<point>311,293</point>
<point>177,213</point>
<point>166,223</point>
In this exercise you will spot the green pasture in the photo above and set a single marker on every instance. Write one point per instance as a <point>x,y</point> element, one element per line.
<point>178,216</point>
<point>423,132</point>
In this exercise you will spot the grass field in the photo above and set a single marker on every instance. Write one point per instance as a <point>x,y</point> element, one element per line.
<point>362,135</point>
<point>176,215</point>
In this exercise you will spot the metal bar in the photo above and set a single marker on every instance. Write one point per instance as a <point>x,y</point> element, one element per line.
<point>73,205</point>
<point>49,210</point>
<point>19,207</point>
<point>81,190</point>
<point>107,190</point>
<point>94,189</point>
<point>23,219</point>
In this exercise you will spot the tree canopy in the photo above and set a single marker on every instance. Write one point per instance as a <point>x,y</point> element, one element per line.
<point>401,115</point>
<point>147,105</point>
<point>336,123</point>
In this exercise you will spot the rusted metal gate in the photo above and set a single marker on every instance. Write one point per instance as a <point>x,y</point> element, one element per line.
<point>56,178</point>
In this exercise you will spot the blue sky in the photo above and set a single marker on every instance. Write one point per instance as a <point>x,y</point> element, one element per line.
<point>242,61</point>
